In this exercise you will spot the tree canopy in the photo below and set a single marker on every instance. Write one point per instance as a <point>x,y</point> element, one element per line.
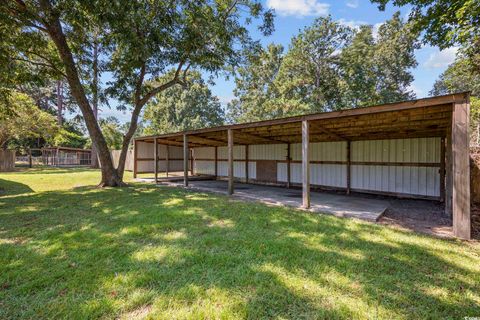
<point>21,119</point>
<point>459,77</point>
<point>446,24</point>
<point>192,106</point>
<point>141,41</point>
<point>328,66</point>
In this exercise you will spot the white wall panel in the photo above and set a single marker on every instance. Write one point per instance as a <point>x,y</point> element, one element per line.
<point>423,181</point>
<point>175,152</point>
<point>331,175</point>
<point>322,151</point>
<point>282,172</point>
<point>204,167</point>
<point>238,169</point>
<point>252,170</point>
<point>144,150</point>
<point>397,150</point>
<point>238,152</point>
<point>415,180</point>
<point>204,153</point>
<point>145,166</point>
<point>268,152</point>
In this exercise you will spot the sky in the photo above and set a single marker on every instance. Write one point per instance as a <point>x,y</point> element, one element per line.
<point>294,15</point>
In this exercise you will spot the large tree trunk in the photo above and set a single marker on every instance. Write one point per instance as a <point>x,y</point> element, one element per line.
<point>110,175</point>
<point>60,103</point>
<point>94,156</point>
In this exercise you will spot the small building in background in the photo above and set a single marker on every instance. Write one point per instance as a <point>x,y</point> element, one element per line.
<point>65,156</point>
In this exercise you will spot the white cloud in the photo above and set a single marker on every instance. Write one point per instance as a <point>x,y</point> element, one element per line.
<point>299,7</point>
<point>352,3</point>
<point>441,59</point>
<point>375,29</point>
<point>354,24</point>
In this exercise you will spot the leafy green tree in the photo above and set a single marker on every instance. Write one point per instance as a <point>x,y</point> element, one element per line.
<point>309,77</point>
<point>358,70</point>
<point>183,108</point>
<point>256,92</point>
<point>142,41</point>
<point>112,130</point>
<point>394,58</point>
<point>68,135</point>
<point>22,119</point>
<point>328,67</point>
<point>446,24</point>
<point>459,77</point>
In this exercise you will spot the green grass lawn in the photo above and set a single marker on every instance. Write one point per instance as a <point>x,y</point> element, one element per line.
<point>69,250</point>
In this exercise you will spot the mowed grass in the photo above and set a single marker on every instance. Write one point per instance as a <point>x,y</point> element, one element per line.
<point>71,251</point>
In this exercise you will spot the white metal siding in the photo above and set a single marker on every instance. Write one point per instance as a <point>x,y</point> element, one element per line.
<point>144,149</point>
<point>332,175</point>
<point>414,180</point>
<point>268,152</point>
<point>238,152</point>
<point>204,167</point>
<point>204,153</point>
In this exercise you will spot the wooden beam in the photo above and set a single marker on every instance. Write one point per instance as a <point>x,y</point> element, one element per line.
<point>216,162</point>
<point>167,160</point>
<point>289,169</point>
<point>206,141</point>
<point>185,160</point>
<point>258,137</point>
<point>155,160</point>
<point>461,170</point>
<point>327,132</point>
<point>246,163</point>
<point>349,161</point>
<point>135,152</point>
<point>230,161</point>
<point>442,169</point>
<point>305,164</point>
<point>191,162</point>
<point>448,174</point>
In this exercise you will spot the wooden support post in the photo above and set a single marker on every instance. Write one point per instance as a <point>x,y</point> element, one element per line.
<point>230,161</point>
<point>442,170</point>
<point>191,162</point>
<point>155,159</point>
<point>289,172</point>
<point>135,153</point>
<point>246,163</point>
<point>349,172</point>
<point>167,161</point>
<point>185,160</point>
<point>448,174</point>
<point>461,170</point>
<point>216,162</point>
<point>305,164</point>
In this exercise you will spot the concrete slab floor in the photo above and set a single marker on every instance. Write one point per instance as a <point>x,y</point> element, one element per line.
<point>352,206</point>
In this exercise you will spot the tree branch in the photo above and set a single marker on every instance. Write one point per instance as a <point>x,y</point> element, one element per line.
<point>162,87</point>
<point>41,64</point>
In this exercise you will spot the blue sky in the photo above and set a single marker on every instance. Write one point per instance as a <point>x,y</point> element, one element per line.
<point>294,15</point>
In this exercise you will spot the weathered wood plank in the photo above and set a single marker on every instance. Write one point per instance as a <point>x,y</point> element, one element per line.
<point>461,171</point>
<point>305,164</point>
<point>230,162</point>
<point>185,160</point>
<point>155,161</point>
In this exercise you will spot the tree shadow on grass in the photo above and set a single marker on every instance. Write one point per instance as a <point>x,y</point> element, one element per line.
<point>8,187</point>
<point>99,253</point>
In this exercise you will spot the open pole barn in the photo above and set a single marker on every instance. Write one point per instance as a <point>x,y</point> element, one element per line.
<point>411,149</point>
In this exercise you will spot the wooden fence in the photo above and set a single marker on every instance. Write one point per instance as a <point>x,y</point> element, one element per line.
<point>7,160</point>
